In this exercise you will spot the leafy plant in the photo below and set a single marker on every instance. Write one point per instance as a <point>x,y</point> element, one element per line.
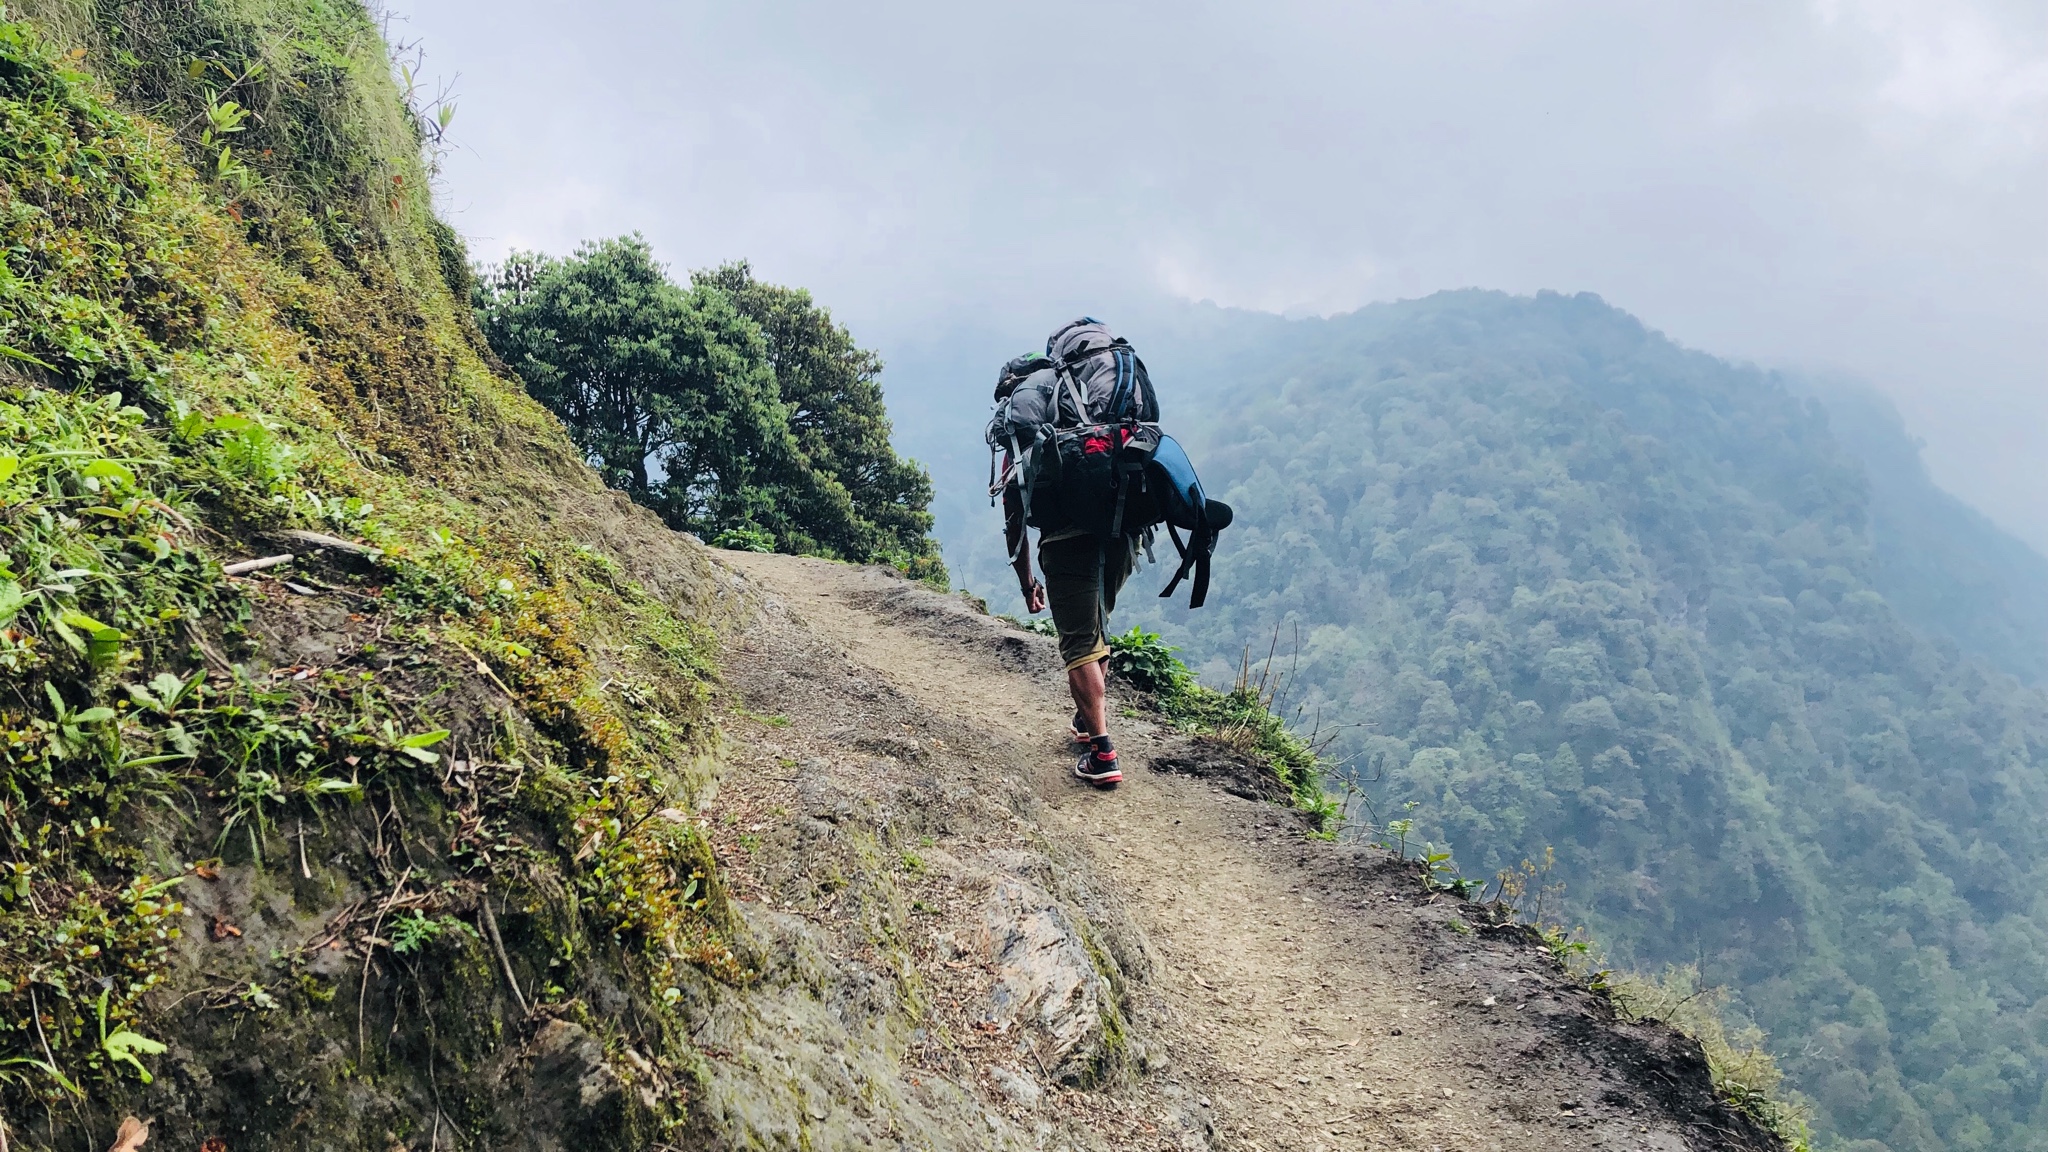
<point>1745,1073</point>
<point>1147,662</point>
<point>414,930</point>
<point>122,1044</point>
<point>1037,625</point>
<point>745,539</point>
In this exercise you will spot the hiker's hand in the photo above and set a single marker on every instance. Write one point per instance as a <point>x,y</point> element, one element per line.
<point>1034,597</point>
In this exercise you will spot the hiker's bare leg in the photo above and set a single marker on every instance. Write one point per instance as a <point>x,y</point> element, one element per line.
<point>1090,688</point>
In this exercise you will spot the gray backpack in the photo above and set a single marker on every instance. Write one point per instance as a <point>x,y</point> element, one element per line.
<point>1085,376</point>
<point>1079,426</point>
<point>1108,381</point>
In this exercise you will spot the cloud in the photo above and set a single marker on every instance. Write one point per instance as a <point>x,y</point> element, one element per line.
<point>1852,184</point>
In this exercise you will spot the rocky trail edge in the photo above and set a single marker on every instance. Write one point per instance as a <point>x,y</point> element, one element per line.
<point>1168,965</point>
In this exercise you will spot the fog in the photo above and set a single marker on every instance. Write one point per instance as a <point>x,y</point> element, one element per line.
<point>1853,188</point>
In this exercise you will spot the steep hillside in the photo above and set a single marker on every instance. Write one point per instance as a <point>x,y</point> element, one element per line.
<point>294,846</point>
<point>1939,562</point>
<point>1562,583</point>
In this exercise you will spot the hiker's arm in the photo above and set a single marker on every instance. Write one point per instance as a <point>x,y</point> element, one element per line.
<point>1015,538</point>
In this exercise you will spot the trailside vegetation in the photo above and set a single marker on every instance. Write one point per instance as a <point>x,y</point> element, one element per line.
<point>1562,582</point>
<point>737,410</point>
<point>1242,719</point>
<point>271,620</point>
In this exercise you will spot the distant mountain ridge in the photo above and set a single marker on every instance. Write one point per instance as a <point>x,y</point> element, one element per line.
<point>1943,564</point>
<point>1719,641</point>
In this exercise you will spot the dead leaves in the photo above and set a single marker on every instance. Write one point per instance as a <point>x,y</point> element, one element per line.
<point>129,1139</point>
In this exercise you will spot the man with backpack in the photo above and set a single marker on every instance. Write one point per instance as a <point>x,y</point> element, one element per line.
<point>1076,452</point>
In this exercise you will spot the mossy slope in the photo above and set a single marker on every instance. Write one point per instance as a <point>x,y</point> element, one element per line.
<point>289,853</point>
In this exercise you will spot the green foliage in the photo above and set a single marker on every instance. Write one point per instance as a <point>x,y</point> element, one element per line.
<point>729,406</point>
<point>184,365</point>
<point>1043,626</point>
<point>1148,662</point>
<point>284,107</point>
<point>832,392</point>
<point>1242,719</point>
<point>1564,583</point>
<point>413,931</point>
<point>1745,1074</point>
<point>924,567</point>
<point>1939,562</point>
<point>745,540</point>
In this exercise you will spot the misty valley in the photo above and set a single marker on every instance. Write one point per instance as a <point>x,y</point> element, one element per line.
<point>1707,633</point>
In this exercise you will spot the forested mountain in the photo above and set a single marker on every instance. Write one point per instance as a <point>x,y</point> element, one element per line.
<point>1939,561</point>
<point>1572,585</point>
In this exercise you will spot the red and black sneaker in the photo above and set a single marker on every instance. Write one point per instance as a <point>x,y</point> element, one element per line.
<point>1079,728</point>
<point>1098,764</point>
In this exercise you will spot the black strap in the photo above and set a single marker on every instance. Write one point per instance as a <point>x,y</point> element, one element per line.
<point>1194,557</point>
<point>1185,560</point>
<point>1073,358</point>
<point>1203,547</point>
<point>1127,473</point>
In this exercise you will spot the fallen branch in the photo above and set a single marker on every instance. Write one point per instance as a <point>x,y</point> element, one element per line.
<point>243,567</point>
<point>206,649</point>
<point>498,945</point>
<point>369,961</point>
<point>323,540</point>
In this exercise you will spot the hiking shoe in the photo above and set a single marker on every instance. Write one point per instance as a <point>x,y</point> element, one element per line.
<point>1079,728</point>
<point>1099,770</point>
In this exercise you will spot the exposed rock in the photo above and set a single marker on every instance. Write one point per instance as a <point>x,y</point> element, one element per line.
<point>1047,983</point>
<point>572,1093</point>
<point>1016,1087</point>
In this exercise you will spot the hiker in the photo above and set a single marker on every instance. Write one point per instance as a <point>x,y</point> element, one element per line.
<point>1076,452</point>
<point>1082,578</point>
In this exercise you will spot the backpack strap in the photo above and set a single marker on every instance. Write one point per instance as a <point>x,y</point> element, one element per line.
<point>1015,474</point>
<point>1074,391</point>
<point>1203,546</point>
<point>1194,557</point>
<point>1181,572</point>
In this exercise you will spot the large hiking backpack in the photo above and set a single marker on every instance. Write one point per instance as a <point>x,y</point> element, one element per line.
<point>1079,425</point>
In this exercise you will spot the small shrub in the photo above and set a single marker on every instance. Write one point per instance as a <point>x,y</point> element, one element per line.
<point>1745,1074</point>
<point>928,570</point>
<point>745,540</point>
<point>1147,662</point>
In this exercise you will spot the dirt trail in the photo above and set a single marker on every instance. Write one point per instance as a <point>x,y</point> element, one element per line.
<point>1304,996</point>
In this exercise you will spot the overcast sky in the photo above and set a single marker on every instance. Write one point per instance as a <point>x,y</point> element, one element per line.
<point>1859,187</point>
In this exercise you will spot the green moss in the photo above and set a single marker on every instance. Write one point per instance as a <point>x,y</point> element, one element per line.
<point>1114,1054</point>
<point>189,360</point>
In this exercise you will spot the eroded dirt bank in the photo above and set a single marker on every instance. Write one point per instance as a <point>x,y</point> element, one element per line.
<point>980,952</point>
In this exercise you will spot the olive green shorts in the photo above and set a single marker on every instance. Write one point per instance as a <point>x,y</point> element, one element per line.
<point>1082,578</point>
